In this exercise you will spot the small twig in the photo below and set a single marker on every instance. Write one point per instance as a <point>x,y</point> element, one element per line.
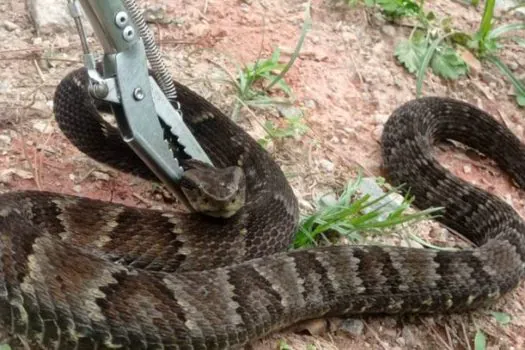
<point>307,25</point>
<point>361,80</point>
<point>438,337</point>
<point>31,167</point>
<point>142,199</point>
<point>86,175</point>
<point>378,338</point>
<point>39,71</point>
<point>466,336</point>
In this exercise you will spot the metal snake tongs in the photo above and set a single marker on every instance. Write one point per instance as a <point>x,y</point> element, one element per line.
<point>137,101</point>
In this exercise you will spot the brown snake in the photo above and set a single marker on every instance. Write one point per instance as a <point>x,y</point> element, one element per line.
<point>77,273</point>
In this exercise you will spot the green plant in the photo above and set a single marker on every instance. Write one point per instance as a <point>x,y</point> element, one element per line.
<point>480,339</point>
<point>262,71</point>
<point>292,126</point>
<point>486,42</point>
<point>283,345</point>
<point>395,9</point>
<point>349,215</point>
<point>254,81</point>
<point>433,43</point>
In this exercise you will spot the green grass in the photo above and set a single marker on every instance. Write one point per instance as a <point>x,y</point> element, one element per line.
<point>351,215</point>
<point>256,82</point>
<point>291,127</point>
<point>434,41</point>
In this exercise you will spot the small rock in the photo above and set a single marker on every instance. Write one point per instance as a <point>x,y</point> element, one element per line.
<point>7,174</point>
<point>401,341</point>
<point>409,338</point>
<point>156,15</point>
<point>199,30</point>
<point>5,140</point>
<point>329,199</point>
<point>348,37</point>
<point>508,199</point>
<point>5,177</point>
<point>289,111</point>
<point>52,16</point>
<point>389,30</point>
<point>353,326</point>
<point>43,126</point>
<point>488,77</point>
<point>99,175</point>
<point>326,165</point>
<point>23,174</point>
<point>513,66</point>
<point>310,104</point>
<point>10,26</point>
<point>467,169</point>
<point>77,188</point>
<point>378,132</point>
<point>381,118</point>
<point>4,86</point>
<point>304,204</point>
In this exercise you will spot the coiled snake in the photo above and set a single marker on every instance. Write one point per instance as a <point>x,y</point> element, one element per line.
<point>86,274</point>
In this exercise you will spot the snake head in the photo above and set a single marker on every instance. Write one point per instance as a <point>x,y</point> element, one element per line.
<point>217,192</point>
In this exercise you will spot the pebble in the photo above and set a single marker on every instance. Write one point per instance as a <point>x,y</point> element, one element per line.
<point>5,140</point>
<point>44,126</point>
<point>4,86</point>
<point>467,169</point>
<point>353,326</point>
<point>381,118</point>
<point>10,26</point>
<point>99,175</point>
<point>326,165</point>
<point>289,111</point>
<point>409,339</point>
<point>310,104</point>
<point>389,30</point>
<point>513,66</point>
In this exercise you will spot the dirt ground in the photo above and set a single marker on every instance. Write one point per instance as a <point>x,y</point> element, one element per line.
<point>346,81</point>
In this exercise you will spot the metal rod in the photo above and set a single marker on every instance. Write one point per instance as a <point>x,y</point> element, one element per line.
<point>158,66</point>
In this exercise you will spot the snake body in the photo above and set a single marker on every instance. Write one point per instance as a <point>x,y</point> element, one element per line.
<point>78,273</point>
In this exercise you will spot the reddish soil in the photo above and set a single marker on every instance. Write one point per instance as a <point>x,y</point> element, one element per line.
<point>346,81</point>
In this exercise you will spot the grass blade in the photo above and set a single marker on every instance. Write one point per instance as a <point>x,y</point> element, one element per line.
<point>307,25</point>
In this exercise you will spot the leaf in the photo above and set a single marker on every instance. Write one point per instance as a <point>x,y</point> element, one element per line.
<point>519,87</point>
<point>506,28</point>
<point>461,38</point>
<point>410,54</point>
<point>448,64</point>
<point>503,318</point>
<point>399,8</point>
<point>283,345</point>
<point>5,347</point>
<point>521,100</point>
<point>480,340</point>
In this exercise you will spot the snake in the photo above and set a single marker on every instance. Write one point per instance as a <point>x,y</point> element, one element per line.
<point>81,273</point>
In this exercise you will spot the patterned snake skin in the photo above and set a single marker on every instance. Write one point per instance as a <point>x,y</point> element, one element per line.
<point>77,273</point>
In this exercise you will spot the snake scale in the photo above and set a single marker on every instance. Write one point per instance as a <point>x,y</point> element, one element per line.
<point>78,273</point>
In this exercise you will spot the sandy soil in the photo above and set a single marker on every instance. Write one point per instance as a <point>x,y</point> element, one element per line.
<point>346,81</point>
